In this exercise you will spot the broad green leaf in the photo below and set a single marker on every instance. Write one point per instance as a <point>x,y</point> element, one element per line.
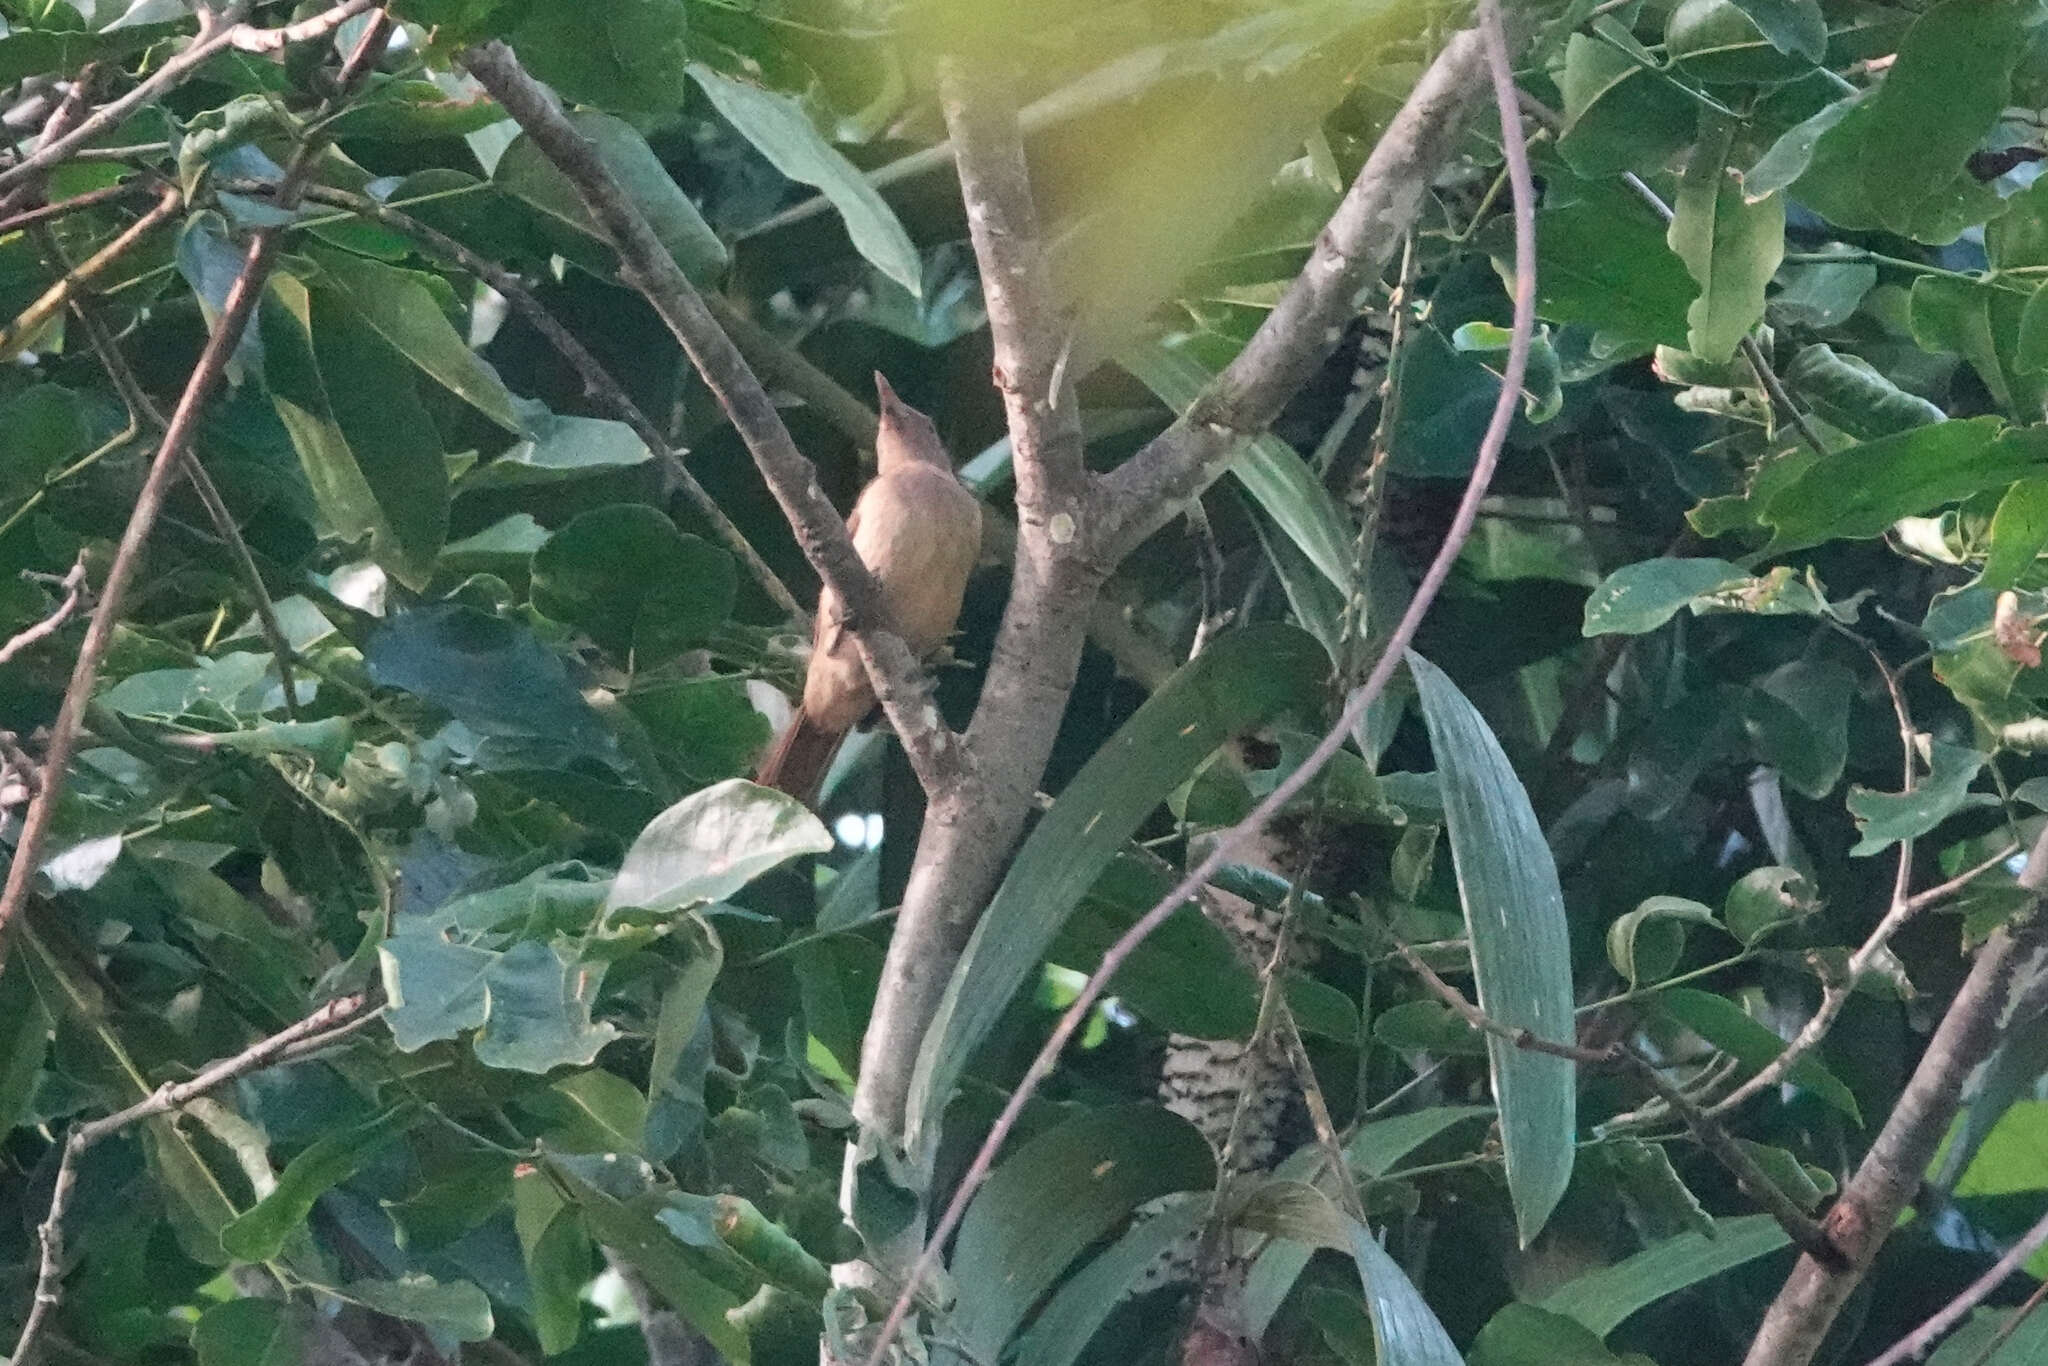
<point>1277,478</point>
<point>712,843</point>
<point>260,1233</point>
<point>504,547</point>
<point>1602,260</point>
<point>1380,1145</point>
<point>525,173</point>
<point>488,672</point>
<point>47,426</point>
<point>557,1251</point>
<point>782,132</point>
<point>539,1015</point>
<point>1751,1043</point>
<point>2019,532</point>
<point>435,990</point>
<point>1640,597</point>
<point>411,111</point>
<point>1186,977</point>
<point>1763,899</point>
<point>1947,87</point>
<point>1835,182</point>
<point>1795,27</point>
<point>1542,392</point>
<point>401,309</point>
<point>1064,1328</point>
<point>1405,1331</point>
<point>248,1332</point>
<point>1656,1200</point>
<point>1805,1186</point>
<point>1797,719</point>
<point>1618,116</point>
<point>1646,943</point>
<point>1719,41</point>
<point>1983,324</point>
<point>1793,152</point>
<point>1859,492</point>
<point>1241,680</point>
<point>1822,293</point>
<point>1524,1335</point>
<point>1047,1202</point>
<point>641,589</point>
<point>1730,246</point>
<point>1602,1299</point>
<point>327,741</point>
<point>376,468</point>
<point>456,1309</point>
<point>593,1111</point>
<point>24,1042</point>
<point>1983,1340</point>
<point>627,1224</point>
<point>1521,954</point>
<point>2018,238</point>
<point>558,448</point>
<point>1888,817</point>
<point>1853,395</point>
<point>627,56</point>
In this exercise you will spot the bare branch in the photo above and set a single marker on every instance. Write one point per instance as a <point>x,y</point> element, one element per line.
<point>646,265</point>
<point>337,1018</point>
<point>1488,44</point>
<point>1356,245</point>
<point>74,596</point>
<point>1016,285</point>
<point>43,213</point>
<point>304,31</point>
<point>14,335</point>
<point>1890,1173</point>
<point>1921,1340</point>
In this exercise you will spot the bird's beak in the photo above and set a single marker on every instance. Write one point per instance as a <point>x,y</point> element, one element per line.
<point>884,392</point>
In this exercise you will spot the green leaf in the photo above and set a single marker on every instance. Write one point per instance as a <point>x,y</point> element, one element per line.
<point>46,427</point>
<point>1242,679</point>
<point>1542,391</point>
<point>556,1249</point>
<point>1640,597</point>
<point>1521,954</point>
<point>1797,718</point>
<point>1727,1027</point>
<point>1853,395</point>
<point>1603,260</point>
<point>1646,943</point>
<point>782,132</point>
<point>435,990</point>
<point>1717,41</point>
<point>248,1332</point>
<point>1787,159</point>
<point>1764,899</point>
<point>1730,246</point>
<point>24,1043</point>
<point>1943,93</point>
<point>712,843</point>
<point>539,1015</point>
<point>1378,1146</point>
<point>1275,475</point>
<point>1524,1335</point>
<point>641,589</point>
<point>490,673</point>
<point>1981,323</point>
<point>1835,184</point>
<point>594,1111</point>
<point>1859,492</point>
<point>1618,116</point>
<point>456,1309</point>
<point>558,448</point>
<point>624,55</point>
<point>1795,27</point>
<point>1064,1328</point>
<point>527,174</point>
<point>376,468</point>
<point>1888,817</point>
<point>1405,1331</point>
<point>260,1233</point>
<point>1055,1196</point>
<point>1805,1186</point>
<point>2019,532</point>
<point>1652,1194</point>
<point>1602,1299</point>
<point>1186,976</point>
<point>398,307</point>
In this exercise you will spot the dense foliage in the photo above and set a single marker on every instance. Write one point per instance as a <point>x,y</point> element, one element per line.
<point>443,675</point>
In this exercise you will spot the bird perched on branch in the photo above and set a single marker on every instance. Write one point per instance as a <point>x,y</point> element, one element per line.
<point>918,530</point>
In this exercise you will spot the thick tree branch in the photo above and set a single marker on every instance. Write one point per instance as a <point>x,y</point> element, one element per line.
<point>1360,239</point>
<point>646,265</point>
<point>1489,44</point>
<point>1890,1173</point>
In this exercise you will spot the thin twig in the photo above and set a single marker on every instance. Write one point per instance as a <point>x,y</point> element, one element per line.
<point>1209,560</point>
<point>74,594</point>
<point>31,320</point>
<point>598,382</point>
<point>303,31</point>
<point>336,1017</point>
<point>1921,1340</point>
<point>900,682</point>
<point>1232,841</point>
<point>43,213</point>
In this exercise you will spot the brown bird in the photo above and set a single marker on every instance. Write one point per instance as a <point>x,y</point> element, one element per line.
<point>918,530</point>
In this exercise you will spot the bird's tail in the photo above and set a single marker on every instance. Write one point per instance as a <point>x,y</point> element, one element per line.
<point>800,758</point>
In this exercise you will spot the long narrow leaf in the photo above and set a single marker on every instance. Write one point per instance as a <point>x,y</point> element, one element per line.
<point>1521,955</point>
